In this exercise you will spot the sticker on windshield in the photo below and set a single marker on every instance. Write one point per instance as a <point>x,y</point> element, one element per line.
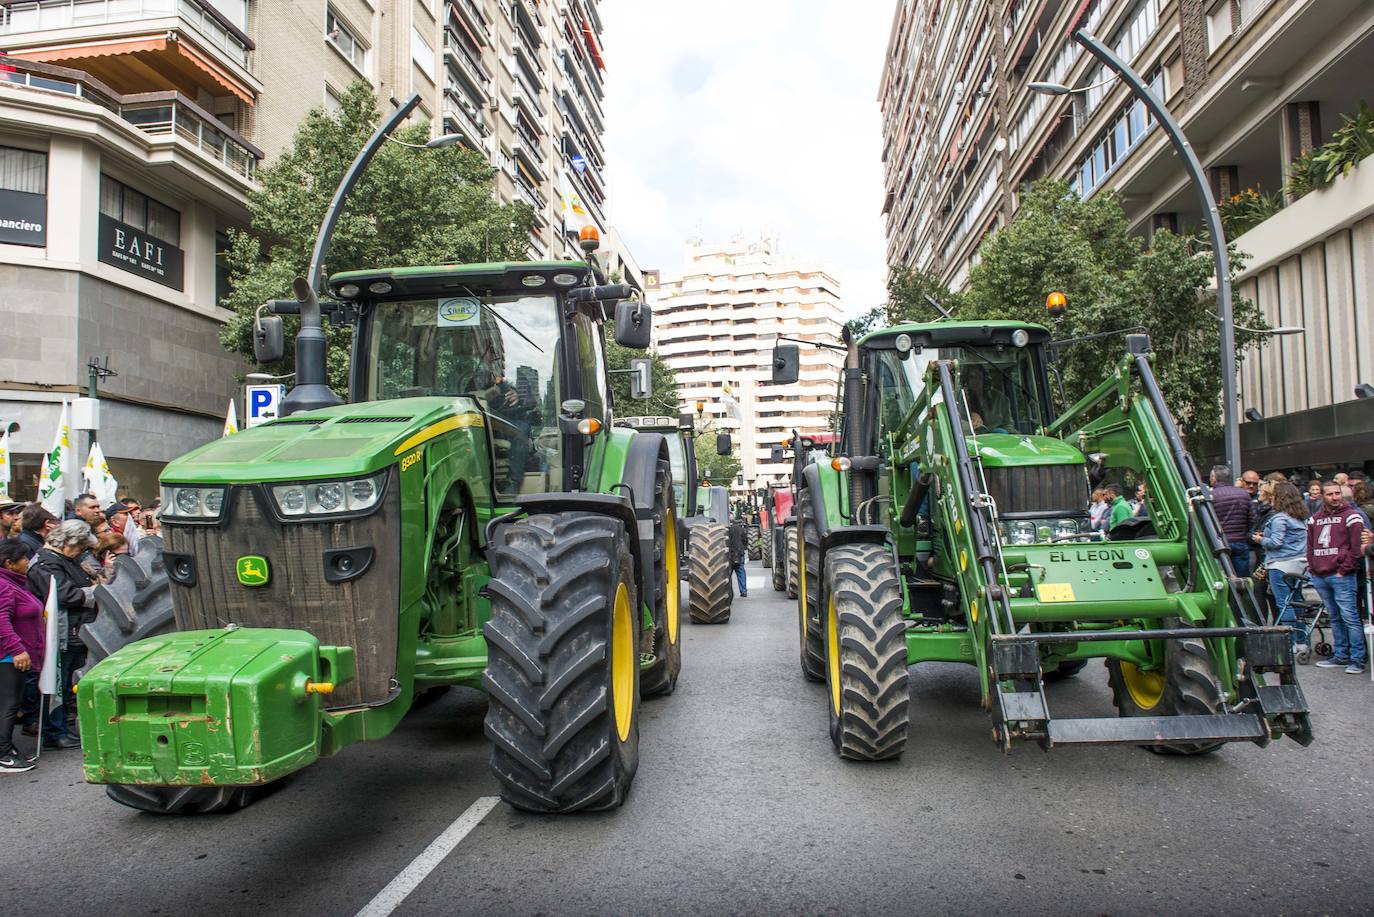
<point>460,312</point>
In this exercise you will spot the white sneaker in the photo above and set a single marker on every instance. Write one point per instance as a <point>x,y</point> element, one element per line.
<point>1355,668</point>
<point>15,764</point>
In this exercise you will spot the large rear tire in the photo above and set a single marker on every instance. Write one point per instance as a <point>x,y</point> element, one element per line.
<point>1187,685</point>
<point>709,568</point>
<point>809,592</point>
<point>665,641</point>
<point>766,546</point>
<point>563,665</point>
<point>866,672</point>
<point>779,554</point>
<point>791,549</point>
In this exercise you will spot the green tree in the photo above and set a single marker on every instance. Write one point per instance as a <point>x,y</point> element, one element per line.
<point>1084,249</point>
<point>907,289</point>
<point>718,469</point>
<point>664,400</point>
<point>411,207</point>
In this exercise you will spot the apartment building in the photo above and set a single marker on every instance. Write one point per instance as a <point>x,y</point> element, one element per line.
<point>716,323</point>
<point>130,134</point>
<point>1253,83</point>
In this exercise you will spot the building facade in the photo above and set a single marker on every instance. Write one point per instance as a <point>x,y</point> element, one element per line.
<point>130,135</point>
<point>1253,83</point>
<point>715,324</point>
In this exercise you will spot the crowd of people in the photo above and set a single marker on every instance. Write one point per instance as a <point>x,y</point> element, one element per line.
<point>1285,533</point>
<point>40,553</point>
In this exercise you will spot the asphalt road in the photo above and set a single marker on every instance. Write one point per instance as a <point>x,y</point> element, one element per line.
<point>741,806</point>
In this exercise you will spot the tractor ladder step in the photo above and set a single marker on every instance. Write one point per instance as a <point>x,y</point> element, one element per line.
<point>1157,730</point>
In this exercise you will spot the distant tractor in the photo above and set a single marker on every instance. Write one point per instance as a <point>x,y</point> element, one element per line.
<point>952,526</point>
<point>469,517</point>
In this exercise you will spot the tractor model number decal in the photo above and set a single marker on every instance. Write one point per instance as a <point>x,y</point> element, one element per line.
<point>410,460</point>
<point>1087,554</point>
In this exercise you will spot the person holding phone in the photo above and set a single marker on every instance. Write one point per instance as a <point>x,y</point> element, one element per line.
<point>21,646</point>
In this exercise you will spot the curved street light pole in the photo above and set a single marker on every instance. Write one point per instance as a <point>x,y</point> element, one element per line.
<point>1230,423</point>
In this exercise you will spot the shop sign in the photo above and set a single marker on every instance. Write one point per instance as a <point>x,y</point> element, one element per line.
<point>133,250</point>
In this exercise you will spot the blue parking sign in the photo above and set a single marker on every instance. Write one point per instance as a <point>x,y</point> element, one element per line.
<point>262,403</point>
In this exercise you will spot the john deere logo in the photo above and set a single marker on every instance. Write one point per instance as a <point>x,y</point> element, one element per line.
<point>253,570</point>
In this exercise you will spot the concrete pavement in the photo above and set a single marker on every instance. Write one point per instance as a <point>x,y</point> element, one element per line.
<point>741,806</point>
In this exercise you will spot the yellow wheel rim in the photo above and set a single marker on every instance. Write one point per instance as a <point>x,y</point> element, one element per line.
<point>672,588</point>
<point>1145,688</point>
<point>833,652</point>
<point>623,662</point>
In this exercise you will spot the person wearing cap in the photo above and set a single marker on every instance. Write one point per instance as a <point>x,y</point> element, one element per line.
<point>9,519</point>
<point>58,563</point>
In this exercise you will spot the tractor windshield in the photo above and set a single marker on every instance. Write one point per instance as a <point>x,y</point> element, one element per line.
<point>501,350</point>
<point>999,386</point>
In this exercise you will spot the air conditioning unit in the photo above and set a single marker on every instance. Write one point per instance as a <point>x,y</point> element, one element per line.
<point>494,104</point>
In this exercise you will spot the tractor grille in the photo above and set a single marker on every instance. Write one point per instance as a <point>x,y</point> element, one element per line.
<point>1043,490</point>
<point>362,613</point>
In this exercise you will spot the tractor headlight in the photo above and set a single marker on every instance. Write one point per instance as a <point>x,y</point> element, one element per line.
<point>328,498</point>
<point>1021,533</point>
<point>1065,528</point>
<point>180,501</point>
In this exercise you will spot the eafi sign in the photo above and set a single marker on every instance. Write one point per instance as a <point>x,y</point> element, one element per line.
<point>133,250</point>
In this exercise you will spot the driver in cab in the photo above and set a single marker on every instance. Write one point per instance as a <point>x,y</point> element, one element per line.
<point>986,402</point>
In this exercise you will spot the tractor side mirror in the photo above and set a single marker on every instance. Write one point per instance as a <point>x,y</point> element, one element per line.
<point>633,321</point>
<point>269,340</point>
<point>786,364</point>
<point>723,444</point>
<point>775,454</point>
<point>641,378</point>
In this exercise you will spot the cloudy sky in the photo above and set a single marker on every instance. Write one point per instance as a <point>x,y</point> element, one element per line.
<point>729,117</point>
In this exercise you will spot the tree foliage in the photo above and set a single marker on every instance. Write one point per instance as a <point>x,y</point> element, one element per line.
<point>718,469</point>
<point>1083,248</point>
<point>411,207</point>
<point>664,400</point>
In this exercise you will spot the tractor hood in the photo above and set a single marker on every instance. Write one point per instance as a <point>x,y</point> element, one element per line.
<point>1008,450</point>
<point>342,441</point>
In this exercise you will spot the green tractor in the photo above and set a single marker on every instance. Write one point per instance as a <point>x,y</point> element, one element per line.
<point>704,525</point>
<point>952,526</point>
<point>470,517</point>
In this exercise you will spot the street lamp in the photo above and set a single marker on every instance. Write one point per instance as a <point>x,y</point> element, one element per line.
<point>436,143</point>
<point>265,377</point>
<point>1156,106</point>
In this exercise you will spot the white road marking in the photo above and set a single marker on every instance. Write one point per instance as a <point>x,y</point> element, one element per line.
<point>396,891</point>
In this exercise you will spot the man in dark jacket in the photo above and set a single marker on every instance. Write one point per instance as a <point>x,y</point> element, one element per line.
<point>1236,513</point>
<point>1333,556</point>
<point>35,524</point>
<point>58,563</point>
<point>739,550</point>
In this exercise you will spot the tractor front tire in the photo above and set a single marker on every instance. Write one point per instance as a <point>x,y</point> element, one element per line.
<point>766,547</point>
<point>563,662</point>
<point>779,546</point>
<point>866,672</point>
<point>1188,685</point>
<point>665,641</point>
<point>709,569</point>
<point>809,592</point>
<point>791,552</point>
<point>1066,670</point>
<point>182,800</point>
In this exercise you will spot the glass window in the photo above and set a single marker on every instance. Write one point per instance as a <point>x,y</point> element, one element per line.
<point>343,38</point>
<point>135,209</point>
<point>23,170</point>
<point>164,222</point>
<point>421,52</point>
<point>139,211</point>
<point>502,351</point>
<point>111,198</point>
<point>589,356</point>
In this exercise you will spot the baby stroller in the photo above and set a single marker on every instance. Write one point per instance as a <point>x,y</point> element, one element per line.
<point>1310,613</point>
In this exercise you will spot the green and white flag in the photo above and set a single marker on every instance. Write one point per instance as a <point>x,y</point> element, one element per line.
<point>5,466</point>
<point>56,471</point>
<point>96,474</point>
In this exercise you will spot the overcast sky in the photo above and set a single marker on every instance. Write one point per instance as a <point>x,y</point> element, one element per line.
<point>729,117</point>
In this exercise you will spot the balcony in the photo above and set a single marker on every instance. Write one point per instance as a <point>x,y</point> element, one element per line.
<point>524,94</point>
<point>531,196</point>
<point>169,116</point>
<point>136,45</point>
<point>527,23</point>
<point>467,64</point>
<point>473,18</point>
<point>459,110</point>
<point>529,158</point>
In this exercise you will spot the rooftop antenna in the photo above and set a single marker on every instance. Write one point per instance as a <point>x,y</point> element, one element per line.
<point>935,303</point>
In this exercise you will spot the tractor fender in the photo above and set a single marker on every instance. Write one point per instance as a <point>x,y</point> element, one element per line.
<point>615,505</point>
<point>823,487</point>
<point>641,469</point>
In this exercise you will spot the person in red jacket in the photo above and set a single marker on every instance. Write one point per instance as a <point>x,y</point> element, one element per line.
<point>1333,557</point>
<point>21,646</point>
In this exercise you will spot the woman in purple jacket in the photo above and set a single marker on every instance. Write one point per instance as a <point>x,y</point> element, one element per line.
<point>21,646</point>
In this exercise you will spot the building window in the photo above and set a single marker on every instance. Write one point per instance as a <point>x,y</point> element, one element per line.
<point>23,170</point>
<point>344,40</point>
<point>133,208</point>
<point>1130,125</point>
<point>421,52</point>
<point>333,105</point>
<point>1227,17</point>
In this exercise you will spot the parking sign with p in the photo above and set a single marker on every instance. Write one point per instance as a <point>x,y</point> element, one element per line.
<point>262,403</point>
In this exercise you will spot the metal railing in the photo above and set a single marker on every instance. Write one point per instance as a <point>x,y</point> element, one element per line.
<point>154,113</point>
<point>45,15</point>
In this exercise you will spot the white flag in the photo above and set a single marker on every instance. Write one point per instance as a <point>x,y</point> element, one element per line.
<point>56,471</point>
<point>47,676</point>
<point>727,394</point>
<point>5,466</point>
<point>231,419</point>
<point>575,215</point>
<point>99,482</point>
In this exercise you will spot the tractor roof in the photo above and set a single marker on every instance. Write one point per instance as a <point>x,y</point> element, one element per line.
<point>945,334</point>
<point>496,276</point>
